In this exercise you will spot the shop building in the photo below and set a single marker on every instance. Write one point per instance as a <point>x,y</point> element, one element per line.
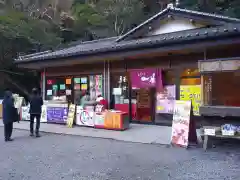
<point>177,54</point>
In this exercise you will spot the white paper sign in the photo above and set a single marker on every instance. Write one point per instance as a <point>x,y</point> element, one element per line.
<point>49,92</point>
<point>210,131</point>
<point>68,92</point>
<point>117,91</point>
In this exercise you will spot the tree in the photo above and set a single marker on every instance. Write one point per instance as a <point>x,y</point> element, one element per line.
<point>18,33</point>
<point>154,6</point>
<point>224,7</point>
<point>121,15</point>
<point>21,34</point>
<point>87,18</point>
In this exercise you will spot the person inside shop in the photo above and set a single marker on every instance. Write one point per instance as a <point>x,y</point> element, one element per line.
<point>100,100</point>
<point>69,96</point>
<point>9,115</point>
<point>35,111</point>
<point>85,100</point>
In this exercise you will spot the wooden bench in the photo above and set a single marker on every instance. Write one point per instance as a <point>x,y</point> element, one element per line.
<point>207,138</point>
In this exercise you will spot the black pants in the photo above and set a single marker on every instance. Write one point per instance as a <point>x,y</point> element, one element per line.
<point>32,117</point>
<point>8,130</point>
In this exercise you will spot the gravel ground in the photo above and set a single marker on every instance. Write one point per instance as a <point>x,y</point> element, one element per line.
<point>55,157</point>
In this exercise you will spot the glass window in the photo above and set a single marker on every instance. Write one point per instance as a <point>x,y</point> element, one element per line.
<point>120,88</point>
<point>190,77</point>
<point>58,86</point>
<point>168,77</point>
<point>92,83</point>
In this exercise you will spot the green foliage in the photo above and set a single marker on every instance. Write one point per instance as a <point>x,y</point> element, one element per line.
<point>86,20</point>
<point>19,33</point>
<point>121,15</point>
<point>108,17</point>
<point>225,7</point>
<point>85,14</point>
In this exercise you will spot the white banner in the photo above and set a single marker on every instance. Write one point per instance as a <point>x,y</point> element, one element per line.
<point>25,116</point>
<point>181,123</point>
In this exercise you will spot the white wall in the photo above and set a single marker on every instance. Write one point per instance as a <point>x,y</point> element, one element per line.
<point>174,26</point>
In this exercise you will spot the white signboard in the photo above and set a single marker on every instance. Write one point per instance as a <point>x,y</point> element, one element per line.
<point>85,117</point>
<point>181,123</point>
<point>25,115</point>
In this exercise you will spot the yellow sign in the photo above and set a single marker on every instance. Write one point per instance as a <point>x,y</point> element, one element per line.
<point>71,115</point>
<point>191,93</point>
<point>68,81</point>
<point>83,86</point>
<point>0,111</point>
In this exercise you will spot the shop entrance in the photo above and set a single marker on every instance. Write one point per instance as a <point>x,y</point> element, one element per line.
<point>145,103</point>
<point>134,91</point>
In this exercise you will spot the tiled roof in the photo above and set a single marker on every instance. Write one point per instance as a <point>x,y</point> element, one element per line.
<point>70,49</point>
<point>174,10</point>
<point>162,40</point>
<point>115,44</point>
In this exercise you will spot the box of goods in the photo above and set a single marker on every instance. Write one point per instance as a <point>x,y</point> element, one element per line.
<point>116,120</point>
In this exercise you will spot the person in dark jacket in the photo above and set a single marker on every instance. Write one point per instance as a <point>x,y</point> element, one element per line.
<point>8,115</point>
<point>35,111</point>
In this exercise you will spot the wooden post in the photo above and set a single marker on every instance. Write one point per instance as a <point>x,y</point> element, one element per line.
<point>104,81</point>
<point>178,82</point>
<point>202,91</point>
<point>108,82</point>
<point>44,84</point>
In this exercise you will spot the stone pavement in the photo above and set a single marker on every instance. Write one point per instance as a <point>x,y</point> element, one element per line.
<point>148,134</point>
<point>56,157</point>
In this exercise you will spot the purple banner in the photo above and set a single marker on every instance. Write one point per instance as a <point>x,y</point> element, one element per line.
<point>144,78</point>
<point>166,99</point>
<point>57,114</point>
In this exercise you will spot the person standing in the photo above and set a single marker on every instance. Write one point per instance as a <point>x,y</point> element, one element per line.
<point>35,111</point>
<point>8,115</point>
